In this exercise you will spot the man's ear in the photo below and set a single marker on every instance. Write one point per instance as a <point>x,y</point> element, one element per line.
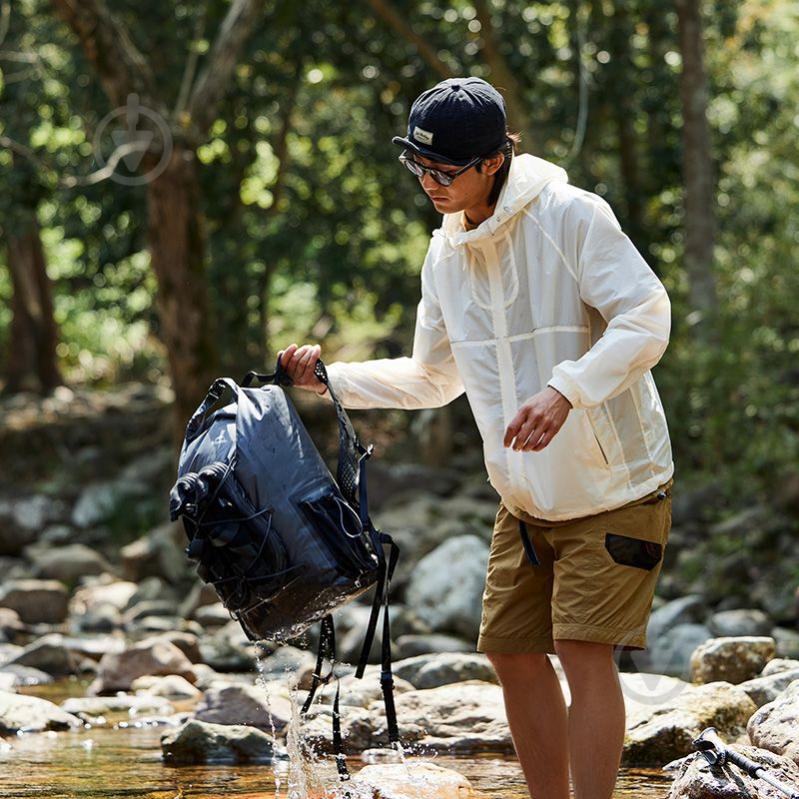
<point>491,165</point>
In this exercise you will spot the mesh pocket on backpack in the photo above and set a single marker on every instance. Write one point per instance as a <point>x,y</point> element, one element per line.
<point>339,530</point>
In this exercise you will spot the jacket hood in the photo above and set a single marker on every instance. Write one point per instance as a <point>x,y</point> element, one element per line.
<point>527,176</point>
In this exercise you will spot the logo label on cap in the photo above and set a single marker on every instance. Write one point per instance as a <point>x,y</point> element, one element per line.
<point>423,136</point>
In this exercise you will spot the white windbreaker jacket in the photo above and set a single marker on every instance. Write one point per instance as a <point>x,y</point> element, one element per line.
<point>546,291</point>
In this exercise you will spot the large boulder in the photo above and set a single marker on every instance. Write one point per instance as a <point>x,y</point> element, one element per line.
<point>447,585</point>
<point>36,601</point>
<point>775,726</point>
<point>424,644</point>
<point>731,659</point>
<point>670,652</point>
<point>665,731</point>
<point>21,520</point>
<point>417,779</point>
<point>695,780</point>
<point>31,714</point>
<point>460,718</point>
<point>431,671</point>
<point>257,706</point>
<point>157,554</point>
<point>767,688</point>
<point>66,563</point>
<point>154,656</point>
<point>201,742</point>
<point>738,622</point>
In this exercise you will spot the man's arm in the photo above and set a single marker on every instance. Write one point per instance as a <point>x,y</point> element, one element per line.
<point>427,379</point>
<point>616,280</point>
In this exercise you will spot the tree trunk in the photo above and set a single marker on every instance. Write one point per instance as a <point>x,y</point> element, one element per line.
<point>177,252</point>
<point>503,77</point>
<point>697,165</point>
<point>32,363</point>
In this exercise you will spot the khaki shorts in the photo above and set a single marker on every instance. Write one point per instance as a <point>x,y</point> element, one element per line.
<point>595,579</point>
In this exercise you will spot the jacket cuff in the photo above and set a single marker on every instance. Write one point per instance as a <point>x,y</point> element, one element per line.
<point>568,388</point>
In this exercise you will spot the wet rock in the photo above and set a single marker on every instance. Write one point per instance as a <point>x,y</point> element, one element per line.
<point>172,687</point>
<point>739,622</point>
<point>447,586</point>
<point>228,649</point>
<point>25,675</point>
<point>202,742</point>
<point>31,714</point>
<point>66,563</point>
<point>694,780</point>
<point>156,657</point>
<point>665,731</point>
<point>244,704</point>
<point>186,642</point>
<point>36,601</point>
<point>458,718</point>
<point>94,708</point>
<point>285,660</point>
<point>361,692</point>
<point>103,591</point>
<point>157,554</point>
<point>431,671</point>
<point>775,726</point>
<point>49,654</point>
<point>731,659</point>
<point>670,653</point>
<point>417,779</point>
<point>412,645</point>
<point>215,615</point>
<point>763,690</point>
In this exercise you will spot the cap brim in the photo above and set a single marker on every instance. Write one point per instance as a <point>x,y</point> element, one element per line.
<point>426,152</point>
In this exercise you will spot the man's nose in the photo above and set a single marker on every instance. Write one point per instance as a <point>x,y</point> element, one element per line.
<point>427,181</point>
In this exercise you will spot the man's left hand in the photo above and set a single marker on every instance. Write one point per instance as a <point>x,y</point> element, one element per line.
<point>538,421</point>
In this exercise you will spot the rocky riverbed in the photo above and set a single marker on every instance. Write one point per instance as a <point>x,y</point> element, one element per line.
<point>111,647</point>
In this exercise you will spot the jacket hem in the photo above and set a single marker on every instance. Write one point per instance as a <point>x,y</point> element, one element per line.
<point>637,492</point>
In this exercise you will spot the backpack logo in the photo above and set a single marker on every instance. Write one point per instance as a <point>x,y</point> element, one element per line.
<point>423,136</point>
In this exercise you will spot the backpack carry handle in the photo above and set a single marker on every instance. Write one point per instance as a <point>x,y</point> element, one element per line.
<point>195,425</point>
<point>350,448</point>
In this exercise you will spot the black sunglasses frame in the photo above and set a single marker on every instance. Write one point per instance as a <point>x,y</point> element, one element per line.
<point>442,178</point>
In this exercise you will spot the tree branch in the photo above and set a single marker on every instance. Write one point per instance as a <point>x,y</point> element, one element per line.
<point>236,28</point>
<point>386,11</point>
<point>122,69</point>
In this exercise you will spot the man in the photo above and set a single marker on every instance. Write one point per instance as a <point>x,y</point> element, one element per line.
<point>538,306</point>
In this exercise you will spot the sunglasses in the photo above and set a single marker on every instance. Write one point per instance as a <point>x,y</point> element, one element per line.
<point>442,178</point>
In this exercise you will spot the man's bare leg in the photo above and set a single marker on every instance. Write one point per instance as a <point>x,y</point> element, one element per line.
<point>537,719</point>
<point>596,716</point>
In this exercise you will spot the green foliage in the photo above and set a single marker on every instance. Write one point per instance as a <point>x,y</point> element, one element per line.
<point>320,235</point>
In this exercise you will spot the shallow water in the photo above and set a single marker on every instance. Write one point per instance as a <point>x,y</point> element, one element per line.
<point>117,762</point>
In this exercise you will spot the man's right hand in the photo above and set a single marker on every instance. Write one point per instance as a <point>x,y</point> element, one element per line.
<point>299,363</point>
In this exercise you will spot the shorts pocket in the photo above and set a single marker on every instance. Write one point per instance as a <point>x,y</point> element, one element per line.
<point>628,551</point>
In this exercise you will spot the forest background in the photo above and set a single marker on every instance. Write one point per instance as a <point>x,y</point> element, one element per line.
<point>189,187</point>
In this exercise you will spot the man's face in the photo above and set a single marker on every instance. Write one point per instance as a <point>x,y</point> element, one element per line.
<point>468,190</point>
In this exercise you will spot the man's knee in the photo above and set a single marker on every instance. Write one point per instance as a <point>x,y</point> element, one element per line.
<point>518,665</point>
